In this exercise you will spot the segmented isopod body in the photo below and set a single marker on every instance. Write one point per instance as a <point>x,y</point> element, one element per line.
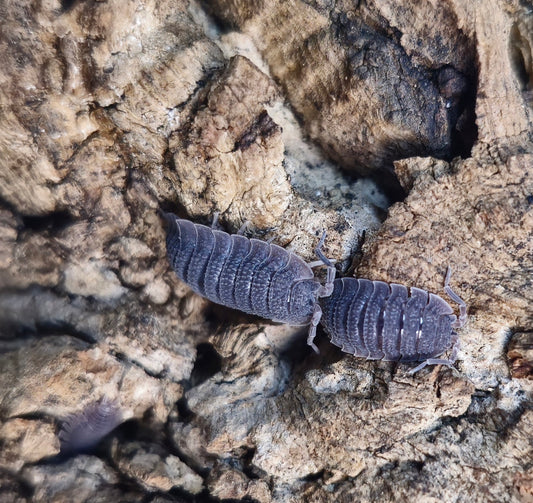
<point>86,428</point>
<point>247,274</point>
<point>381,321</point>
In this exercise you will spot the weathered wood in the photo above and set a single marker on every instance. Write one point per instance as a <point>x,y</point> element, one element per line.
<point>111,111</point>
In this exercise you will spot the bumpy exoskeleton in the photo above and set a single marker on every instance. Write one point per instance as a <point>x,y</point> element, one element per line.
<point>381,321</point>
<point>85,429</point>
<point>247,274</point>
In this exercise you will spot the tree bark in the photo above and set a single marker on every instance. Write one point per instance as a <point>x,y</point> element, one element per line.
<point>402,129</point>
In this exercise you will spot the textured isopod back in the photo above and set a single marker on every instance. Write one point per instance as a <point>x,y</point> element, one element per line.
<point>247,274</point>
<point>381,321</point>
<point>83,430</point>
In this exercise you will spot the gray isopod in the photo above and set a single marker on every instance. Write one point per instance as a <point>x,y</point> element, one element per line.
<point>381,321</point>
<point>248,274</point>
<point>85,429</point>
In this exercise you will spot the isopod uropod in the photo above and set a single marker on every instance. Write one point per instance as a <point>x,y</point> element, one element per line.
<point>247,274</point>
<point>381,321</point>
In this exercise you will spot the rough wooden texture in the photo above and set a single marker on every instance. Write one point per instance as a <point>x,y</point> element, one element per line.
<point>486,239</point>
<point>372,82</point>
<point>111,110</point>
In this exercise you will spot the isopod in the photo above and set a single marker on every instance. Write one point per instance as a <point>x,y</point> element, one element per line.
<point>250,275</point>
<point>381,321</point>
<point>85,429</point>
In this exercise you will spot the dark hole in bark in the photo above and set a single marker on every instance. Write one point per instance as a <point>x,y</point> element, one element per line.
<point>66,5</point>
<point>520,53</point>
<point>207,364</point>
<point>55,221</point>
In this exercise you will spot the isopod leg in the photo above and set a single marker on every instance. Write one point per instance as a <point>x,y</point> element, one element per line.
<point>440,361</point>
<point>462,304</point>
<point>455,348</point>
<point>214,223</point>
<point>327,289</point>
<point>244,227</point>
<point>431,361</point>
<point>317,314</point>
